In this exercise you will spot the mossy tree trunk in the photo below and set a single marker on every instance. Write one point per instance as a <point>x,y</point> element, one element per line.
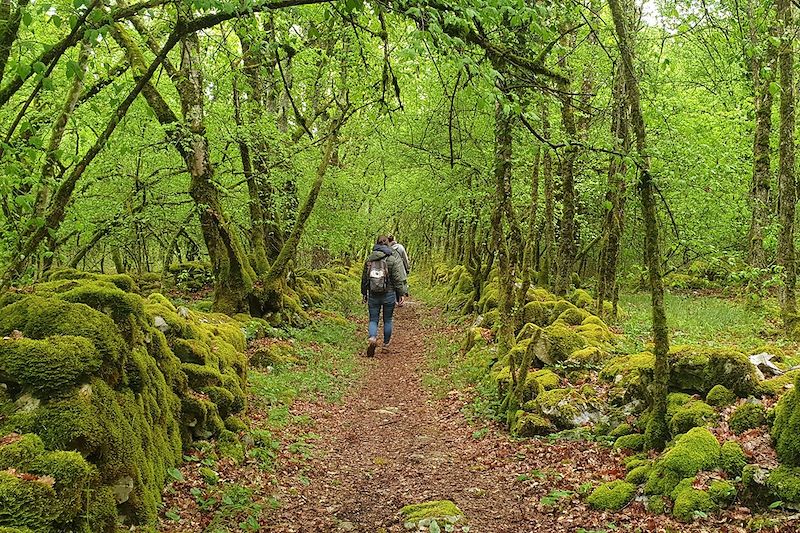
<point>566,169</point>
<point>615,199</point>
<point>760,187</point>
<point>233,275</point>
<point>548,264</point>
<point>657,431</point>
<point>787,192</point>
<point>529,254</point>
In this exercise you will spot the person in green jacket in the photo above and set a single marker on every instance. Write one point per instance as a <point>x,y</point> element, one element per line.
<point>383,284</point>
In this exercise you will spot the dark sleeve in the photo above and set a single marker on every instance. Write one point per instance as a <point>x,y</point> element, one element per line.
<point>365,280</point>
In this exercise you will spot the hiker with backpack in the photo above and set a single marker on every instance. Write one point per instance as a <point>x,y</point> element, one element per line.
<point>400,250</point>
<point>383,284</point>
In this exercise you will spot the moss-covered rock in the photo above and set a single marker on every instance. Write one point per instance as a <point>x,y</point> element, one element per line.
<point>692,414</point>
<point>722,492</point>
<point>589,357</point>
<point>557,343</point>
<point>732,459</point>
<point>692,452</point>
<point>639,475</point>
<point>566,408</point>
<point>784,483</point>
<point>748,415</point>
<point>630,375</point>
<point>581,299</point>
<point>622,429</point>
<point>634,441</point>
<point>786,428</point>
<point>691,503</point>
<point>656,504</point>
<point>531,425</point>
<point>699,369</point>
<point>548,379</point>
<point>19,451</point>
<point>720,396</point>
<point>612,496</point>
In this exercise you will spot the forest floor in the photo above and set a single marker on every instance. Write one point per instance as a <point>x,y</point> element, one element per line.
<point>350,463</point>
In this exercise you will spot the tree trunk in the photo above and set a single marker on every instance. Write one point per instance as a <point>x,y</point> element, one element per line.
<point>787,193</point>
<point>760,189</point>
<point>233,275</point>
<point>657,431</point>
<point>615,197</point>
<point>546,274</point>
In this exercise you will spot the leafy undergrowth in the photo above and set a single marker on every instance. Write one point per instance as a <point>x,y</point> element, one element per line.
<point>222,490</point>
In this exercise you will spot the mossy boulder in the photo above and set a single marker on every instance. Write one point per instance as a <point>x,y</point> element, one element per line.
<point>548,379</point>
<point>581,299</point>
<point>622,429</point>
<point>691,453</point>
<point>699,369</point>
<point>690,415</point>
<point>612,496</point>
<point>784,483</point>
<point>557,342</point>
<point>732,459</point>
<point>720,396</point>
<point>566,408</point>
<point>275,353</point>
<point>536,313</point>
<point>748,415</point>
<point>722,492</point>
<point>629,375</point>
<point>634,441</point>
<point>589,357</point>
<point>691,503</point>
<point>531,425</point>
<point>786,428</point>
<point>638,475</point>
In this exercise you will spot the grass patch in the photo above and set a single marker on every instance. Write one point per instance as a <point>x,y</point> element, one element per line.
<point>702,320</point>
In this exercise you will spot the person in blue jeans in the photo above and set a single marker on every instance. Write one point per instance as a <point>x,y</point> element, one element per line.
<point>383,285</point>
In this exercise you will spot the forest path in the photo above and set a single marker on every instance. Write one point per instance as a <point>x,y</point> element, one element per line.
<point>389,444</point>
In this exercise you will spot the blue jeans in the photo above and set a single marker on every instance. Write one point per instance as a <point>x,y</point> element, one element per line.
<point>375,303</point>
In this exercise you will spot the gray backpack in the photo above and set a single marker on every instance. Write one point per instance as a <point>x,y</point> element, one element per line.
<point>378,276</point>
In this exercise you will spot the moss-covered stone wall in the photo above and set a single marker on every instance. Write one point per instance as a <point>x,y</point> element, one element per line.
<point>100,391</point>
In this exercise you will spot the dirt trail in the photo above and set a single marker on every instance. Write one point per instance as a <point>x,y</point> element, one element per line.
<point>388,444</point>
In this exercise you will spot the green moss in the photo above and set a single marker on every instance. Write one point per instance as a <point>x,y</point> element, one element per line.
<point>200,376</point>
<point>589,357</point>
<point>48,366</point>
<point>621,430</point>
<point>786,427</point>
<point>559,341</point>
<point>276,353</point>
<point>73,476</point>
<point>27,504</point>
<point>690,415</point>
<point>784,483</point>
<point>440,509</point>
<point>675,401</point>
<point>19,451</point>
<point>228,445</point>
<point>630,374</point>
<point>779,385</point>
<point>630,442</point>
<point>637,460</point>
<point>561,406</point>
<point>536,313</point>
<point>694,451</point>
<point>656,504</point>
<point>547,378</point>
<point>613,495</point>
<point>699,369</point>
<point>690,503</point>
<point>720,396</point>
<point>639,475</point>
<point>235,424</point>
<point>732,458</point>
<point>573,316</point>
<point>747,416</point>
<point>581,299</point>
<point>531,425</point>
<point>595,334</point>
<point>722,492</point>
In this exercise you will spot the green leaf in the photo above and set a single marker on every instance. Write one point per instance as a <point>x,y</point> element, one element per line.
<point>434,527</point>
<point>175,474</point>
<point>23,70</point>
<point>172,515</point>
<point>56,20</point>
<point>27,19</point>
<point>775,505</point>
<point>774,88</point>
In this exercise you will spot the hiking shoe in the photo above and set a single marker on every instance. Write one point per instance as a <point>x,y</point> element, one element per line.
<point>386,348</point>
<point>373,343</point>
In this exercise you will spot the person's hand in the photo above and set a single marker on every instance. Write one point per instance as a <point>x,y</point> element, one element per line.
<point>364,299</point>
<point>402,300</point>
